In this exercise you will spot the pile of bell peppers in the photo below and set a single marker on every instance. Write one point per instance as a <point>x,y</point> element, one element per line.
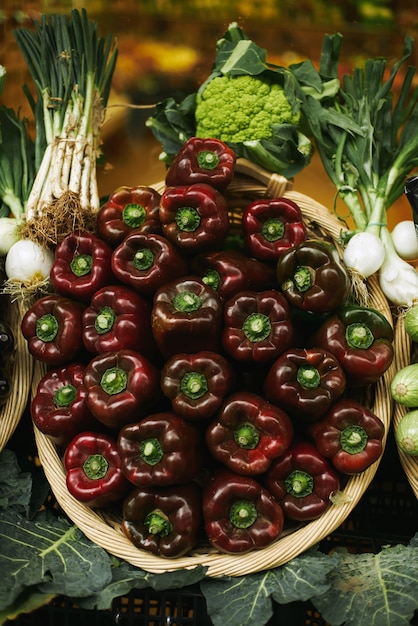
<point>202,389</point>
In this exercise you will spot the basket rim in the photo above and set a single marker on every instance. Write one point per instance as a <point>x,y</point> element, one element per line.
<point>95,526</point>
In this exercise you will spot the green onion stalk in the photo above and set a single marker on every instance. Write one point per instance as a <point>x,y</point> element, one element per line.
<point>72,70</point>
<point>366,136</point>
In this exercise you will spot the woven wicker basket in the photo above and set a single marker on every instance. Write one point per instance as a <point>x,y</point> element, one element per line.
<point>21,376</point>
<point>104,529</point>
<point>403,346</point>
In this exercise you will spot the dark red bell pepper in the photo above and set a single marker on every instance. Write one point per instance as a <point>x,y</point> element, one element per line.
<point>93,468</point>
<point>302,481</point>
<point>146,261</point>
<point>240,515</point>
<point>118,318</point>
<point>59,408</point>
<point>257,326</point>
<point>194,217</point>
<point>81,266</point>
<point>196,384</point>
<point>200,160</point>
<point>165,521</point>
<point>160,450</point>
<point>312,277</point>
<point>248,433</point>
<point>350,436</point>
<point>305,383</point>
<point>52,327</point>
<point>361,339</point>
<point>128,209</point>
<point>121,386</point>
<point>232,271</point>
<point>186,317</point>
<point>271,226</point>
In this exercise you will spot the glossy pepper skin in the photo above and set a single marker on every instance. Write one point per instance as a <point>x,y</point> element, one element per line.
<point>52,327</point>
<point>121,387</point>
<point>350,436</point>
<point>302,481</point>
<point>248,433</point>
<point>209,161</point>
<point>271,226</point>
<point>94,473</point>
<point>312,277</point>
<point>196,384</point>
<point>165,521</point>
<point>59,408</point>
<point>186,317</point>
<point>194,217</point>
<point>232,271</point>
<point>257,326</point>
<point>128,209</point>
<point>160,450</point>
<point>118,318</point>
<point>81,266</point>
<point>146,261</point>
<point>239,514</point>
<point>305,383</point>
<point>361,339</point>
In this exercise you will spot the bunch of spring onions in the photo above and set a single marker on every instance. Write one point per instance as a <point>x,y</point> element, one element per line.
<point>72,70</point>
<point>366,136</point>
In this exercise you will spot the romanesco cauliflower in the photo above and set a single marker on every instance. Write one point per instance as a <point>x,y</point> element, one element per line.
<point>242,108</point>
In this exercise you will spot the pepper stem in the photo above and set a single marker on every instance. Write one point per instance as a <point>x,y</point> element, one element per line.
<point>257,327</point>
<point>212,279</point>
<point>133,215</point>
<point>143,259</point>
<point>81,264</point>
<point>353,439</point>
<point>303,278</point>
<point>187,302</point>
<point>47,327</point>
<point>243,513</point>
<point>247,436</point>
<point>207,160</point>
<point>158,523</point>
<point>64,396</point>
<point>114,380</point>
<point>359,335</point>
<point>272,229</point>
<point>299,484</point>
<point>104,320</point>
<point>95,466</point>
<point>150,451</point>
<point>194,385</point>
<point>188,219</point>
<point>308,377</point>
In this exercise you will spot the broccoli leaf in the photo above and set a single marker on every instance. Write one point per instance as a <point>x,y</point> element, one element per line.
<point>50,553</point>
<point>247,600</point>
<point>372,589</point>
<point>15,486</point>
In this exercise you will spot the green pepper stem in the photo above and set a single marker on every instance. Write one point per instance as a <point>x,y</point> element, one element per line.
<point>247,436</point>
<point>81,264</point>
<point>299,484</point>
<point>104,320</point>
<point>95,466</point>
<point>272,229</point>
<point>257,327</point>
<point>212,279</point>
<point>207,160</point>
<point>150,451</point>
<point>194,385</point>
<point>303,278</point>
<point>353,439</point>
<point>188,219</point>
<point>158,523</point>
<point>133,215</point>
<point>359,335</point>
<point>143,259</point>
<point>243,513</point>
<point>114,380</point>
<point>64,396</point>
<point>187,302</point>
<point>308,377</point>
<point>47,327</point>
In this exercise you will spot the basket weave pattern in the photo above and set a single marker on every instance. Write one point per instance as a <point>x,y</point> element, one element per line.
<point>103,528</point>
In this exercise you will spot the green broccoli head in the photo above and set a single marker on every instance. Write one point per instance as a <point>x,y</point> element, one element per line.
<point>242,108</point>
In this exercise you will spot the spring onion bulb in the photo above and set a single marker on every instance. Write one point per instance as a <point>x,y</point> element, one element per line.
<point>406,433</point>
<point>28,262</point>
<point>9,233</point>
<point>398,279</point>
<point>405,240</point>
<point>364,253</point>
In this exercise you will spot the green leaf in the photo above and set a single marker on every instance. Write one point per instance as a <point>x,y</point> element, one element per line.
<point>51,553</point>
<point>247,600</point>
<point>30,600</point>
<point>372,589</point>
<point>15,486</point>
